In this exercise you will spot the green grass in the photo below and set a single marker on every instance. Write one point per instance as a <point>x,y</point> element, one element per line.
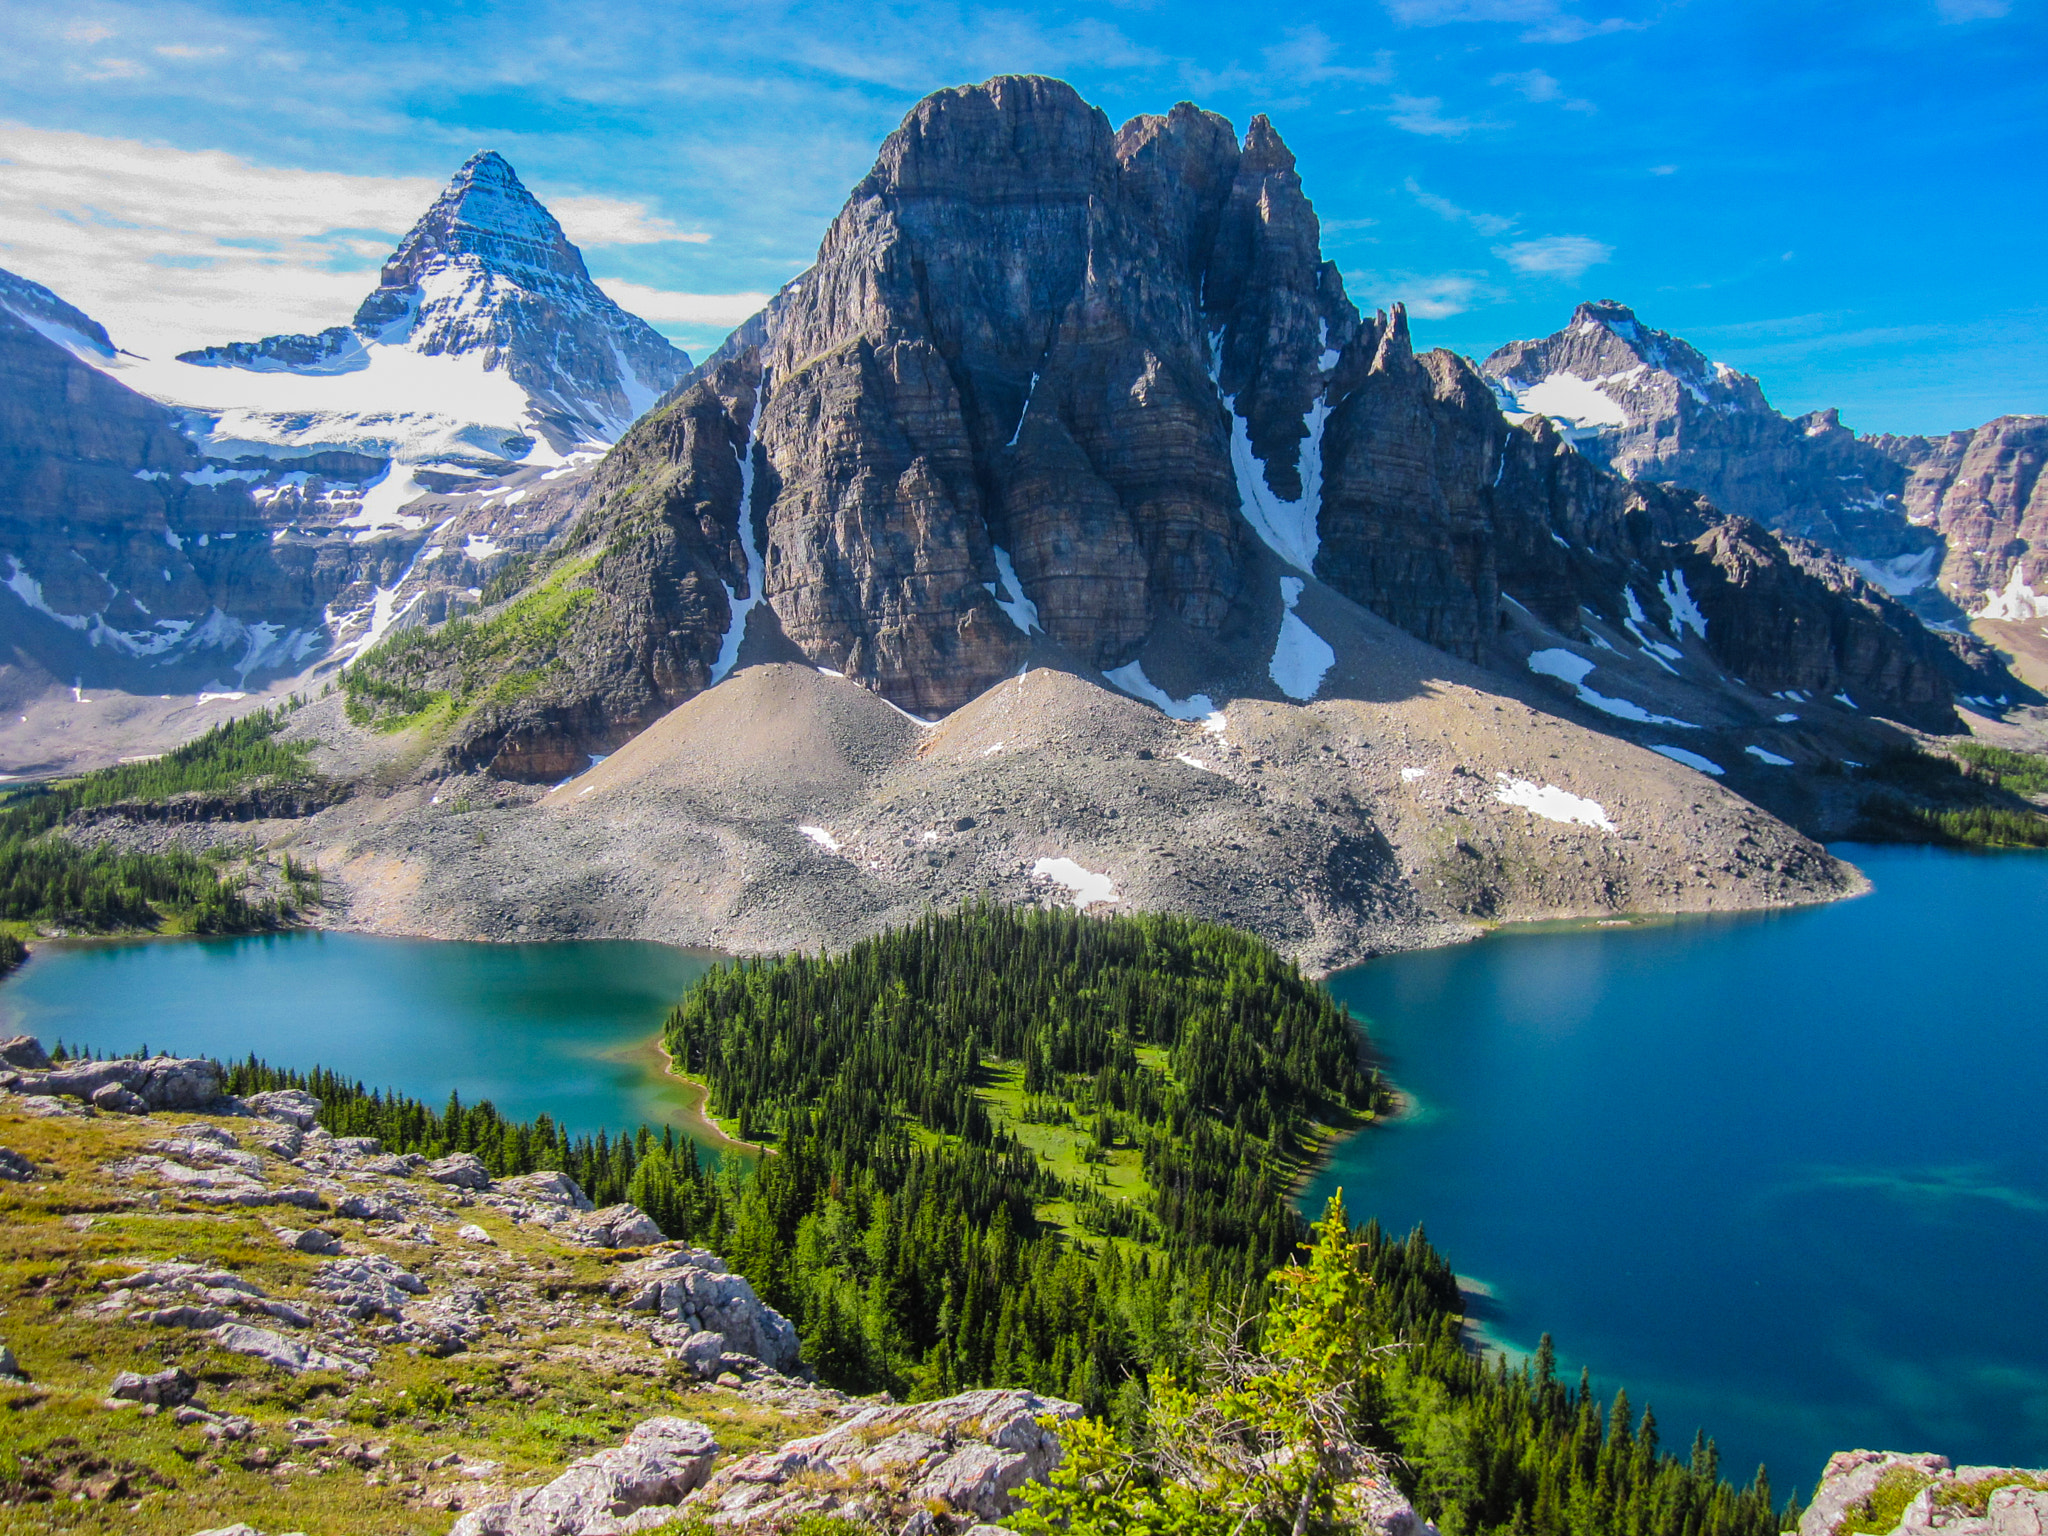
<point>418,677</point>
<point>2024,773</point>
<point>1878,1514</point>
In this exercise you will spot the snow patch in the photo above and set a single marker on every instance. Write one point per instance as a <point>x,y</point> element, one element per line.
<point>1301,657</point>
<point>1288,528</point>
<point>2017,603</point>
<point>757,567</point>
<point>1685,613</point>
<point>1571,668</point>
<point>1785,719</point>
<point>1902,573</point>
<point>1194,762</point>
<point>1028,393</point>
<point>1569,398</point>
<point>1410,775</point>
<point>1088,888</point>
<point>1768,757</point>
<point>1021,610</point>
<point>1844,700</point>
<point>1550,802</point>
<point>1131,679</point>
<point>990,751</point>
<point>821,837</point>
<point>1690,759</point>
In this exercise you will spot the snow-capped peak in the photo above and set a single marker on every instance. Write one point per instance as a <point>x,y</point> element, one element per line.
<point>42,311</point>
<point>488,276</point>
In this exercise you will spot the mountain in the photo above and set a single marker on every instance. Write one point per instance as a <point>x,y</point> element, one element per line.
<point>1650,406</point>
<point>486,277</point>
<point>1984,493</point>
<point>239,512</point>
<point>1052,384</point>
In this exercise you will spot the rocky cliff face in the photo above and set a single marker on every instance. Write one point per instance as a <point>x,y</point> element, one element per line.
<point>1984,493</point>
<point>1054,389</point>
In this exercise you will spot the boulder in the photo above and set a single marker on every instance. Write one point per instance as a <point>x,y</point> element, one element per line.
<point>548,1187</point>
<point>10,1368</point>
<point>617,1226</point>
<point>291,1106</point>
<point>114,1099</point>
<point>470,1232</point>
<point>25,1052</point>
<point>171,1082</point>
<point>275,1349</point>
<point>694,1289</point>
<point>967,1455</point>
<point>312,1240</point>
<point>700,1354</point>
<point>165,1388</point>
<point>15,1167</point>
<point>368,1285</point>
<point>367,1208</point>
<point>661,1462</point>
<point>356,1148</point>
<point>463,1170</point>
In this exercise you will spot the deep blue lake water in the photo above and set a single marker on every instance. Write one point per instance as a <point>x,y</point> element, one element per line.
<point>1784,1177</point>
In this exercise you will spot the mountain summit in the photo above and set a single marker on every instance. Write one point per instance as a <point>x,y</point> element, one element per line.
<point>487,273</point>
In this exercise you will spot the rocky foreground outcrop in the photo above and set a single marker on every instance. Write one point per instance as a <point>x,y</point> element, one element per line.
<point>416,1348</point>
<point>1922,1495</point>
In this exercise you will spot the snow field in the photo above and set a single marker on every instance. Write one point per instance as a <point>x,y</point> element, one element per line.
<point>1301,657</point>
<point>1690,759</point>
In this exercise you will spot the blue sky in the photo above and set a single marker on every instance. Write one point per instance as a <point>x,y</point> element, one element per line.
<point>1845,199</point>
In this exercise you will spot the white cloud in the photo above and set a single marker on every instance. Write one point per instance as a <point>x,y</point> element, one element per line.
<point>1307,57</point>
<point>1541,86</point>
<point>1424,115</point>
<point>1565,256</point>
<point>1443,207</point>
<point>173,248</point>
<point>666,308</point>
<point>1429,296</point>
<point>1952,11</point>
<point>1546,21</point>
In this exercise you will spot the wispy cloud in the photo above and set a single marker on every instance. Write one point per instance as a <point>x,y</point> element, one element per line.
<point>719,310</point>
<point>1486,223</point>
<point>1540,85</point>
<point>1543,21</point>
<point>1308,55</point>
<point>1565,256</point>
<point>1425,115</point>
<point>1953,11</point>
<point>1429,296</point>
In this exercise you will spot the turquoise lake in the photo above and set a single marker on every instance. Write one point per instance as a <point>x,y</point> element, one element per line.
<point>1784,1177</point>
<point>562,1029</point>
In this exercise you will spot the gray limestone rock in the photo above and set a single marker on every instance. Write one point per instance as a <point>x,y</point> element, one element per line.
<point>113,1099</point>
<point>10,1368</point>
<point>168,1388</point>
<point>661,1461</point>
<point>15,1167</point>
<point>286,1354</point>
<point>25,1052</point>
<point>616,1226</point>
<point>1946,1500</point>
<point>967,1454</point>
<point>291,1106</point>
<point>549,1187</point>
<point>694,1289</point>
<point>463,1170</point>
